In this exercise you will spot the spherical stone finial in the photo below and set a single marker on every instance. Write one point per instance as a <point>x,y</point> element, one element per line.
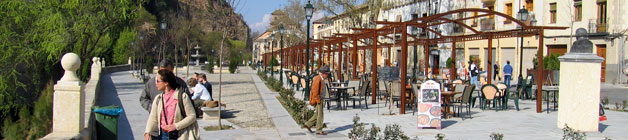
<point>70,63</point>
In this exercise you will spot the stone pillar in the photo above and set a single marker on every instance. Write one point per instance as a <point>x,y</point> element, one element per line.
<point>95,73</point>
<point>579,90</point>
<point>68,101</point>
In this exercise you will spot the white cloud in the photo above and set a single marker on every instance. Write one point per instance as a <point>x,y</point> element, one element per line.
<point>261,26</point>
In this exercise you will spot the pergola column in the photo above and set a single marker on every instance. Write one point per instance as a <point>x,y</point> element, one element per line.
<point>355,57</point>
<point>453,57</point>
<point>489,65</point>
<point>539,79</point>
<point>339,66</point>
<point>404,70</point>
<point>374,70</point>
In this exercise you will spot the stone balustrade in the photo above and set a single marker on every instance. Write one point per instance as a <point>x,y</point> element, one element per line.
<point>73,100</point>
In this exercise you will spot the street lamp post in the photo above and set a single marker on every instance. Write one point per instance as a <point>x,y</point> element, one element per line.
<point>309,9</point>
<point>523,16</point>
<point>281,52</point>
<point>272,55</point>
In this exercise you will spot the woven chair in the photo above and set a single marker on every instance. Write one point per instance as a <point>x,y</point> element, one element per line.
<point>295,81</point>
<point>490,93</point>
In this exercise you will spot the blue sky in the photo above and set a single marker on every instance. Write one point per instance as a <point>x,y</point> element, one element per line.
<point>257,12</point>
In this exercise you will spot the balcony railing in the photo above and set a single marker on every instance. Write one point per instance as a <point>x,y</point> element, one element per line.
<point>487,24</point>
<point>598,25</point>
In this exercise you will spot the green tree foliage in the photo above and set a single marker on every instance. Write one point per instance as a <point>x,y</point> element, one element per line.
<point>122,48</point>
<point>550,62</point>
<point>34,34</point>
<point>32,125</point>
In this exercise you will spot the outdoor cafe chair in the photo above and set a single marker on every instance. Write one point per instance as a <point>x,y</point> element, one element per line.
<point>395,92</point>
<point>511,93</point>
<point>415,90</point>
<point>295,81</point>
<point>355,84</point>
<point>362,95</point>
<point>490,93</point>
<point>383,89</point>
<point>303,85</point>
<point>459,88</point>
<point>465,101</point>
<point>328,96</point>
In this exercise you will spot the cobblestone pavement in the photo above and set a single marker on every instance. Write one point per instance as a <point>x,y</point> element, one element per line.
<point>244,104</point>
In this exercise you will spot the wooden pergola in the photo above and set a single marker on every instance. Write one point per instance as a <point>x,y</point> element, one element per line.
<point>336,43</point>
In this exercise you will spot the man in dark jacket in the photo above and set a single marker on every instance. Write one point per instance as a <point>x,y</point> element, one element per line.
<point>150,89</point>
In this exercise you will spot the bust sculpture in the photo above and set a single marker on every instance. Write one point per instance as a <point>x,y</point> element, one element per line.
<point>582,44</point>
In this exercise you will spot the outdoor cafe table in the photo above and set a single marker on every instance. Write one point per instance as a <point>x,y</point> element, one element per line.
<point>342,94</point>
<point>549,90</point>
<point>447,95</point>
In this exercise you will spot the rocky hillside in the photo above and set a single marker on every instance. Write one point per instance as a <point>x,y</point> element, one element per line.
<point>213,15</point>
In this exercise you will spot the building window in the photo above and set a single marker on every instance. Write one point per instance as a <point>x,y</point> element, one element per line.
<point>552,12</point>
<point>577,10</point>
<point>601,14</point>
<point>508,11</point>
<point>530,5</point>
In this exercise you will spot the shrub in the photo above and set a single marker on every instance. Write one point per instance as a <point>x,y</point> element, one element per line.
<point>450,63</point>
<point>233,65</point>
<point>210,65</point>
<point>149,65</point>
<point>31,125</point>
<point>440,136</point>
<point>571,134</point>
<point>497,136</point>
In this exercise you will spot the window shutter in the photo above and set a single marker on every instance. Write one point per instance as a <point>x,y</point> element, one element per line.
<point>552,6</point>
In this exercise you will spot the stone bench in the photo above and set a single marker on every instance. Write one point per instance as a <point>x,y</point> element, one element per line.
<point>210,113</point>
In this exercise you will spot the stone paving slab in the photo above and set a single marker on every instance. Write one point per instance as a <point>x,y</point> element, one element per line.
<point>524,124</point>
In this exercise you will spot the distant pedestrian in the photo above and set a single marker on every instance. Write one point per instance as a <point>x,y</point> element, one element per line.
<point>496,72</point>
<point>318,89</point>
<point>172,112</point>
<point>473,69</point>
<point>507,73</point>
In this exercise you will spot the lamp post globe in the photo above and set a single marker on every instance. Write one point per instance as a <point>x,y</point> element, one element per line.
<point>309,10</point>
<point>523,16</point>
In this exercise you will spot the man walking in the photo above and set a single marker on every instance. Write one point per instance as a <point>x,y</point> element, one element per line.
<point>473,69</point>
<point>507,73</point>
<point>150,89</point>
<point>318,89</point>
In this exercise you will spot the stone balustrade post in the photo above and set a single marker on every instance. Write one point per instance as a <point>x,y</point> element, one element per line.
<point>95,73</point>
<point>579,88</point>
<point>69,95</point>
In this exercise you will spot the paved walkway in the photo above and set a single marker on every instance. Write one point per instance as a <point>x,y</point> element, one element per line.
<point>523,124</point>
<point>246,109</point>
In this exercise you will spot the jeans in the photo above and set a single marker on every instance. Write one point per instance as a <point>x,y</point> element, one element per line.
<point>507,80</point>
<point>474,80</point>
<point>163,135</point>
